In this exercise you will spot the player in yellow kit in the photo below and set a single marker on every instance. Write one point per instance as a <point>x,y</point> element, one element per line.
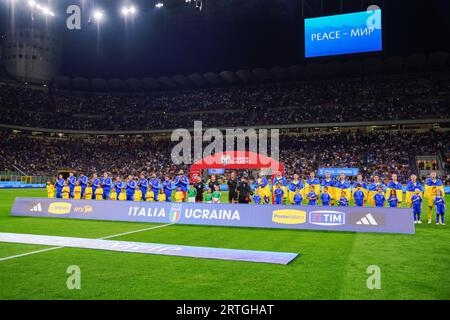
<point>123,194</point>
<point>150,195</point>
<point>161,195</point>
<point>77,191</point>
<point>65,191</point>
<point>50,190</point>
<point>137,194</point>
<point>99,193</point>
<point>179,195</point>
<point>113,194</point>
<point>88,191</point>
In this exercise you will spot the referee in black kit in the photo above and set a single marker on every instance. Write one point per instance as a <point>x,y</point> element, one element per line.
<point>232,183</point>
<point>243,190</point>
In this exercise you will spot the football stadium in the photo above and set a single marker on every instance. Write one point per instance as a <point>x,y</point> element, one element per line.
<point>224,150</point>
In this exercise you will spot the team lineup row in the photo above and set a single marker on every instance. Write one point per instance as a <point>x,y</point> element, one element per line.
<point>311,191</point>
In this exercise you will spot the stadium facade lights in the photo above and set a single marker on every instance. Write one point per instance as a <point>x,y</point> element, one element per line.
<point>98,15</point>
<point>129,10</point>
<point>44,10</point>
<point>159,5</point>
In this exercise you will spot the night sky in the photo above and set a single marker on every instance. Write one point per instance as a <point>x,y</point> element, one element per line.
<point>226,35</point>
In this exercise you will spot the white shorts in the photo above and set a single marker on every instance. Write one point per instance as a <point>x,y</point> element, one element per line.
<point>191,199</point>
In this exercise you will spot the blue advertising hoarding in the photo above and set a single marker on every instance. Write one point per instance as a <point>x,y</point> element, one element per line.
<point>343,34</point>
<point>357,219</point>
<point>335,172</point>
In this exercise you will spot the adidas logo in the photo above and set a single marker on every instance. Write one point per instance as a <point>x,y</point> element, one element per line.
<point>37,208</point>
<point>368,220</point>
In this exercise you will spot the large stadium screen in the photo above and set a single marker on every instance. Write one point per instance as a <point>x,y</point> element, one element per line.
<point>343,34</point>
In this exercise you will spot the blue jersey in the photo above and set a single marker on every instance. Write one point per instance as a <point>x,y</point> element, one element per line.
<point>327,183</point>
<point>154,183</point>
<point>95,184</point>
<point>83,181</point>
<point>326,198</point>
<point>343,202</point>
<point>294,185</point>
<point>182,182</point>
<point>131,186</point>
<point>362,183</point>
<point>312,198</point>
<point>282,180</point>
<point>167,186</point>
<point>411,186</point>
<point>393,201</point>
<point>379,200</point>
<point>298,199</point>
<point>143,183</point>
<point>59,185</point>
<point>106,183</point>
<point>439,202</point>
<point>72,180</point>
<point>416,200</point>
<point>257,199</point>
<point>118,186</point>
<point>358,195</point>
<point>278,193</point>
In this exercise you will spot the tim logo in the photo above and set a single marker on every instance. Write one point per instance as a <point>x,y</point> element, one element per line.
<point>175,213</point>
<point>327,218</point>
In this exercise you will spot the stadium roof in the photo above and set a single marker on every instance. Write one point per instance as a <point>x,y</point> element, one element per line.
<point>312,70</point>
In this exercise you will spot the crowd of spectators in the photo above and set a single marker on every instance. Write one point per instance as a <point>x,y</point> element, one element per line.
<point>424,96</point>
<point>376,152</point>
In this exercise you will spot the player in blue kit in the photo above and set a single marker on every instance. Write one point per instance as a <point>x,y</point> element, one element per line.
<point>143,185</point>
<point>118,186</point>
<point>379,198</point>
<point>154,185</point>
<point>131,187</point>
<point>359,196</point>
<point>393,200</point>
<point>59,186</point>
<point>182,181</point>
<point>416,200</point>
<point>325,197</point>
<point>71,180</point>
<point>95,182</point>
<point>83,183</point>
<point>256,197</point>
<point>168,187</point>
<point>439,203</point>
<point>106,184</point>
<point>312,196</point>
<point>298,199</point>
<point>278,194</point>
<point>343,200</point>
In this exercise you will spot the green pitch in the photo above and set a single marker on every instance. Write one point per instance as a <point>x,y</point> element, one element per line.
<point>332,265</point>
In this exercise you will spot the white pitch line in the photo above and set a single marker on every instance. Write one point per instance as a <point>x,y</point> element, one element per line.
<point>103,238</point>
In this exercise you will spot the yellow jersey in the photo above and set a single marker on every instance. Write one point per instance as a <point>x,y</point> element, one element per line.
<point>137,195</point>
<point>77,192</point>
<point>88,193</point>
<point>150,196</point>
<point>122,196</point>
<point>50,190</point>
<point>161,197</point>
<point>99,194</point>
<point>178,196</point>
<point>113,195</point>
<point>65,192</point>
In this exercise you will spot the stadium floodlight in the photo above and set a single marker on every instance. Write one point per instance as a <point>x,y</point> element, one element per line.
<point>32,3</point>
<point>129,10</point>
<point>98,15</point>
<point>159,5</point>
